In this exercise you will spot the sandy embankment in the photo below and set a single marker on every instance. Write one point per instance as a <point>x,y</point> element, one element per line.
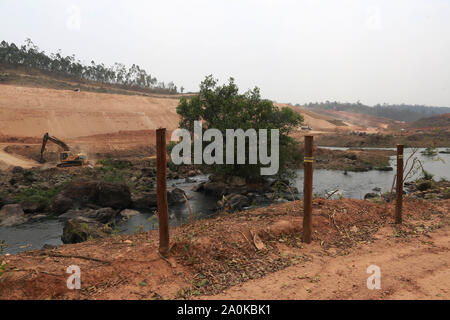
<point>31,112</point>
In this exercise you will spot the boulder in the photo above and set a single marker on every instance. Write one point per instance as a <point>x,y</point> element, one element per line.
<point>176,196</point>
<point>12,214</point>
<point>214,188</point>
<point>79,194</point>
<point>144,200</point>
<point>199,187</point>
<point>148,172</point>
<point>61,204</point>
<point>234,202</point>
<point>149,200</point>
<point>32,206</point>
<point>75,195</point>
<point>82,229</point>
<point>106,215</point>
<point>6,199</point>
<point>103,215</point>
<point>192,173</point>
<point>238,201</point>
<point>236,181</point>
<point>387,168</point>
<point>424,185</point>
<point>370,195</point>
<point>113,195</point>
<point>129,213</point>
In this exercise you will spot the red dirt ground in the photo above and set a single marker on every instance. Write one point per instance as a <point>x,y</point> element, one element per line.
<point>255,254</point>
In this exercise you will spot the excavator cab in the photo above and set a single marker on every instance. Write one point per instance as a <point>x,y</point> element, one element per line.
<point>66,157</point>
<point>63,156</point>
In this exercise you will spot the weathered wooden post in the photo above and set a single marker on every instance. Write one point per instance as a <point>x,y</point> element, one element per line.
<point>161,189</point>
<point>399,189</point>
<point>307,189</point>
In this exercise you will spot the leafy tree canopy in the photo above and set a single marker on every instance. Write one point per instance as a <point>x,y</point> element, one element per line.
<point>223,107</point>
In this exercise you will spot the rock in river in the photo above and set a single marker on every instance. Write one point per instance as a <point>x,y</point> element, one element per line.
<point>103,215</point>
<point>79,194</point>
<point>129,213</point>
<point>148,200</point>
<point>176,196</point>
<point>11,214</point>
<point>144,200</point>
<point>370,195</point>
<point>234,202</point>
<point>82,229</point>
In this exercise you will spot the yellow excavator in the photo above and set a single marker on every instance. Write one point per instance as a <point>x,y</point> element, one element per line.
<point>67,158</point>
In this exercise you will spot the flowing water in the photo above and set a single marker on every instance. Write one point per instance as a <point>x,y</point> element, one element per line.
<point>33,235</point>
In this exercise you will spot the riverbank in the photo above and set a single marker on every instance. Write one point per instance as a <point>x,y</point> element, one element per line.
<point>245,251</point>
<point>36,191</point>
<point>420,139</point>
<point>357,160</point>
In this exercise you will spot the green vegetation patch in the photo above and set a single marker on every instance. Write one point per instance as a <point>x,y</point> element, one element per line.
<point>43,197</point>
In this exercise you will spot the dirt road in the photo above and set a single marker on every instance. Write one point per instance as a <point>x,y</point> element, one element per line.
<point>409,270</point>
<point>15,160</point>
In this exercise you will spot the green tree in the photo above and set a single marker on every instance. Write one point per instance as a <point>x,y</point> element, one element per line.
<point>223,107</point>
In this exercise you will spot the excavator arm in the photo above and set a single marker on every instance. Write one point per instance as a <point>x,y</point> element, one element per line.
<point>54,140</point>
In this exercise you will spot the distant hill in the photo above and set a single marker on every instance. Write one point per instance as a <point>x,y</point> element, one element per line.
<point>439,121</point>
<point>31,58</point>
<point>402,112</point>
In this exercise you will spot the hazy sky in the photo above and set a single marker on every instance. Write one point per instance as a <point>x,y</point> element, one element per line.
<point>296,51</point>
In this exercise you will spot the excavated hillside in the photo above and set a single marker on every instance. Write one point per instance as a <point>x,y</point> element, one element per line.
<point>26,111</point>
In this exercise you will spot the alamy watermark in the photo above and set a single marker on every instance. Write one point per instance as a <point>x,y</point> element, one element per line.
<point>374,281</point>
<point>73,21</point>
<point>213,152</point>
<point>74,280</point>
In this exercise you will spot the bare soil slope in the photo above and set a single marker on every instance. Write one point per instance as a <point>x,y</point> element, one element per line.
<point>329,120</point>
<point>441,121</point>
<point>27,111</point>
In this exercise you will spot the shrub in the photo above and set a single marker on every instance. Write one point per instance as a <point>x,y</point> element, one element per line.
<point>43,197</point>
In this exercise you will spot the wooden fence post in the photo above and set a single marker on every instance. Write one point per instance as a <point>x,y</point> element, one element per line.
<point>161,189</point>
<point>399,189</point>
<point>307,189</point>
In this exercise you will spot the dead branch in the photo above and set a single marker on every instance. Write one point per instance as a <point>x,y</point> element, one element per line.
<point>191,215</point>
<point>58,255</point>
<point>330,195</point>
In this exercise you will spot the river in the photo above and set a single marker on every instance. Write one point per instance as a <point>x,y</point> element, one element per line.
<point>33,235</point>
